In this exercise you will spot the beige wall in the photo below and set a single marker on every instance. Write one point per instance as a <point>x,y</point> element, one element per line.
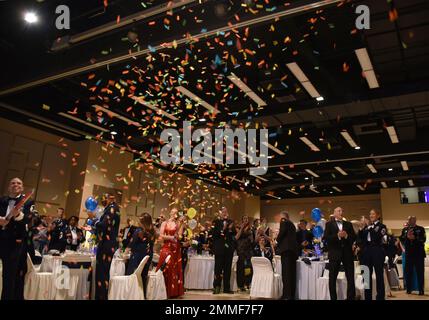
<point>64,173</point>
<point>354,207</point>
<point>395,213</point>
<point>41,160</point>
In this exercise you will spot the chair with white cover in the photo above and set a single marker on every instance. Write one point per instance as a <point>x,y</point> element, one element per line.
<point>322,286</point>
<point>128,287</point>
<point>233,280</point>
<point>265,282</point>
<point>38,285</point>
<point>155,289</point>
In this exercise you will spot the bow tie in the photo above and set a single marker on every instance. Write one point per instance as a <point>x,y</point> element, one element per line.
<point>339,221</point>
<point>14,199</point>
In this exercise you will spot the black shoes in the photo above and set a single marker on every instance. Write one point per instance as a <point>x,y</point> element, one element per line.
<point>421,293</point>
<point>228,291</point>
<point>216,290</point>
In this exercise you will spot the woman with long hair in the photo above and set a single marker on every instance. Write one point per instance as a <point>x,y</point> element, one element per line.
<point>245,240</point>
<point>170,232</point>
<point>141,245</point>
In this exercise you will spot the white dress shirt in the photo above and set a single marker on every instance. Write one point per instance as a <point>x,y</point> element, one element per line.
<point>74,235</point>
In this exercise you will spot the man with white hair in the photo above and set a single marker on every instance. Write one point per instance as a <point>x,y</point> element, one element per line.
<point>340,237</point>
<point>15,210</point>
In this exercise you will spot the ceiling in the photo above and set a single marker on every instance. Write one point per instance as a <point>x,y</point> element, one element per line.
<point>197,46</point>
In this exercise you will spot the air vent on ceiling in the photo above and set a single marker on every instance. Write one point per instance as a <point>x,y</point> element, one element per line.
<point>368,128</point>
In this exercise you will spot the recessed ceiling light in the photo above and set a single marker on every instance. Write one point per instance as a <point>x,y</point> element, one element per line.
<point>320,98</point>
<point>337,189</point>
<point>349,139</point>
<point>384,184</point>
<point>310,144</point>
<point>390,169</point>
<point>312,173</point>
<point>113,133</point>
<point>243,87</point>
<point>404,165</point>
<point>306,178</point>
<point>360,187</point>
<point>411,183</point>
<point>357,148</point>
<point>371,168</point>
<point>31,17</point>
<point>299,74</point>
<point>197,99</point>
<point>392,134</point>
<point>340,170</point>
<point>291,191</point>
<point>116,115</point>
<point>367,68</point>
<point>396,181</point>
<point>285,175</point>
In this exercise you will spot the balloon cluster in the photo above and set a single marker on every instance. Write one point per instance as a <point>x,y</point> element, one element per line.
<point>91,204</point>
<point>316,215</point>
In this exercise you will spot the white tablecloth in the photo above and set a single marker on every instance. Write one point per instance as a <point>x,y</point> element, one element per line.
<point>79,276</point>
<point>199,273</point>
<point>306,277</point>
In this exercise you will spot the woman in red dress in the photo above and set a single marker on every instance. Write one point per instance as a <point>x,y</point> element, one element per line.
<point>170,231</point>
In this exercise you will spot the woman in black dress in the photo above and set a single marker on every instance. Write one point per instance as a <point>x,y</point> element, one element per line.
<point>141,245</point>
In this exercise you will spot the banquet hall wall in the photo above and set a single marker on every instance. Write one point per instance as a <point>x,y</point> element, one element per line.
<point>63,174</point>
<point>354,207</point>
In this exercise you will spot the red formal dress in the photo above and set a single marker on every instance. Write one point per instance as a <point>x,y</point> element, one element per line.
<point>173,271</point>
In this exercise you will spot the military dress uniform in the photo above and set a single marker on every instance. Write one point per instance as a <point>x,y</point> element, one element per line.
<point>414,255</point>
<point>58,239</point>
<point>13,247</point>
<point>373,239</point>
<point>107,229</point>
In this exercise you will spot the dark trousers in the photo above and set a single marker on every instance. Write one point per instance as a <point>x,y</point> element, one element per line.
<point>105,251</point>
<point>349,268</point>
<point>416,261</point>
<point>373,258</point>
<point>13,270</point>
<point>223,264</point>
<point>242,280</point>
<point>288,259</point>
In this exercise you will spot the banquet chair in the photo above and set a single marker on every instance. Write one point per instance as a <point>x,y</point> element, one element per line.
<point>155,289</point>
<point>128,287</point>
<point>322,286</point>
<point>233,280</point>
<point>38,285</point>
<point>265,282</point>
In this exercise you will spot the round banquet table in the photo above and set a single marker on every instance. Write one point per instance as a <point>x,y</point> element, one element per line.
<point>306,277</point>
<point>78,274</point>
<point>199,273</point>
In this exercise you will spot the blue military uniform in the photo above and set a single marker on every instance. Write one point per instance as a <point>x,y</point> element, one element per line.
<point>414,255</point>
<point>107,229</point>
<point>373,239</point>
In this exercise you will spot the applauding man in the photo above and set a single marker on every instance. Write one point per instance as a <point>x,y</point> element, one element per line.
<point>14,212</point>
<point>340,237</point>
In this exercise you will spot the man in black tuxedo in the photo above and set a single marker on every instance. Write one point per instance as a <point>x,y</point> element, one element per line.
<point>107,229</point>
<point>414,238</point>
<point>340,237</point>
<point>13,239</point>
<point>288,248</point>
<point>223,247</point>
<point>304,237</point>
<point>57,232</point>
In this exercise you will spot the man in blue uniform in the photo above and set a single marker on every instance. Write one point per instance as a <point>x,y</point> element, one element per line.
<point>373,239</point>
<point>107,229</point>
<point>414,238</point>
<point>57,232</point>
<point>14,216</point>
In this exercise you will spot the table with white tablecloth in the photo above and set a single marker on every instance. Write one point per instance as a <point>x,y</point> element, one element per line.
<point>78,286</point>
<point>306,277</point>
<point>199,273</point>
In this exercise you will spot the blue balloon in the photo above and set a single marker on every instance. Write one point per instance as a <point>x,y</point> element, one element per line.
<point>316,214</point>
<point>318,231</point>
<point>91,204</point>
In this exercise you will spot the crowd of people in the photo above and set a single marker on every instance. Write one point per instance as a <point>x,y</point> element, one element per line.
<point>23,231</point>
